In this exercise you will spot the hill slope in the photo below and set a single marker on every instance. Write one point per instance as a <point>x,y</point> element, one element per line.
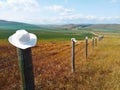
<point>105,27</point>
<point>10,25</point>
<point>92,27</point>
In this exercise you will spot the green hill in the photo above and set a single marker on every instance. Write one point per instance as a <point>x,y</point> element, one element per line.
<point>10,25</point>
<point>43,32</point>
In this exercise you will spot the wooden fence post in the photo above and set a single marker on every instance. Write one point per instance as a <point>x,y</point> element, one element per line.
<point>26,68</point>
<point>93,42</point>
<point>101,37</point>
<point>86,49</point>
<point>73,54</point>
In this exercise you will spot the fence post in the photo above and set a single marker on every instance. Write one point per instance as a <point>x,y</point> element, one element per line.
<point>86,49</point>
<point>26,68</point>
<point>99,38</point>
<point>73,54</point>
<point>93,42</point>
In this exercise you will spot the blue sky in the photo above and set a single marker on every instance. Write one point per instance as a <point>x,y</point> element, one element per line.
<point>61,11</point>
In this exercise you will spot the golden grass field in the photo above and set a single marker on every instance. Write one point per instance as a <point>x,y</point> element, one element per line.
<point>52,66</point>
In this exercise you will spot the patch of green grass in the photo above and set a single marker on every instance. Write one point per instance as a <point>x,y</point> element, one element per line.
<point>4,34</point>
<point>51,34</point>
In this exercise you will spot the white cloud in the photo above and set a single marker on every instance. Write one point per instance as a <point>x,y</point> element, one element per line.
<point>78,18</point>
<point>114,1</point>
<point>66,1</point>
<point>30,11</point>
<point>109,18</point>
<point>59,9</point>
<point>90,17</point>
<point>22,5</point>
<point>19,10</point>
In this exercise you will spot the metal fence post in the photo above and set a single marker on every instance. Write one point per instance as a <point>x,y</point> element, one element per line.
<point>26,68</point>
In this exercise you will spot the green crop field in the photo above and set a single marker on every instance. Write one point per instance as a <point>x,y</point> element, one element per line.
<point>50,34</point>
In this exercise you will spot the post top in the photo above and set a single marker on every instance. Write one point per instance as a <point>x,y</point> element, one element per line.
<point>73,39</point>
<point>86,37</point>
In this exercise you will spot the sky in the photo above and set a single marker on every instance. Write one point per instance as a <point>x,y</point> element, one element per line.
<point>61,11</point>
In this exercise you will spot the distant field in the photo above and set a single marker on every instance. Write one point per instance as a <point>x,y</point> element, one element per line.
<point>106,28</point>
<point>51,34</point>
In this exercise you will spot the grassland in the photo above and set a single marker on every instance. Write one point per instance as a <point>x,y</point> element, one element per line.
<point>52,60</point>
<point>51,34</point>
<point>52,64</point>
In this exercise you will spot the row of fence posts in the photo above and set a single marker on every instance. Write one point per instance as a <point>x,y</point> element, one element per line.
<point>26,66</point>
<point>94,43</point>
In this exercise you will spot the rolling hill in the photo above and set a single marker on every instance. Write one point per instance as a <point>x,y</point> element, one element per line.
<point>10,25</point>
<point>92,27</point>
<point>43,32</point>
<point>115,28</point>
<point>61,32</point>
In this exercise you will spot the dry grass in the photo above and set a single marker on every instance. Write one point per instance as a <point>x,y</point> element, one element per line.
<point>52,66</point>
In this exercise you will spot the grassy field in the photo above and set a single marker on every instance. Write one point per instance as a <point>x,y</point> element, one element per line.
<point>52,65</point>
<point>51,34</point>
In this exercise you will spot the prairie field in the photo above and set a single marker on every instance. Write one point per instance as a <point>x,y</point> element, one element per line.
<point>52,65</point>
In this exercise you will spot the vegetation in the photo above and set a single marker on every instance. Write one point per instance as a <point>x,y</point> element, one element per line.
<point>52,65</point>
<point>50,35</point>
<point>52,60</point>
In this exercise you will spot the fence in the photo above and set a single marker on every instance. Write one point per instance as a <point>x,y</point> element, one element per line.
<point>54,54</point>
<point>94,43</point>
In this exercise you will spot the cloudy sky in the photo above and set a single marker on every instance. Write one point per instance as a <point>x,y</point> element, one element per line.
<point>60,11</point>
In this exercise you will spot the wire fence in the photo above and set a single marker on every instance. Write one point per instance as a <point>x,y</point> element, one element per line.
<point>49,56</point>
